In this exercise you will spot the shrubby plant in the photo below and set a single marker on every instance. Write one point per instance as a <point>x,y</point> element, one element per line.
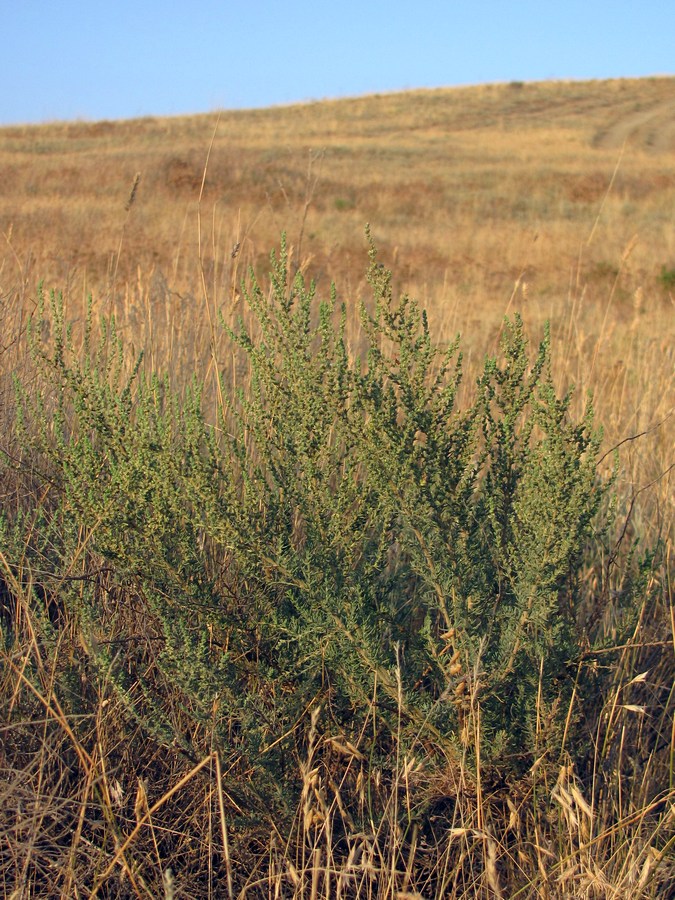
<point>338,542</point>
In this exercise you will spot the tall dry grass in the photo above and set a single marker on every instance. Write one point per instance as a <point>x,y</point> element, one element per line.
<point>552,199</point>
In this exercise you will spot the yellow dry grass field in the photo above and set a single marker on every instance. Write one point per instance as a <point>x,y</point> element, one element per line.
<point>554,199</point>
<point>467,190</point>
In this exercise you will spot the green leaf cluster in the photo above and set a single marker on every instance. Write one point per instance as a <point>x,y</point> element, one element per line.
<point>339,533</point>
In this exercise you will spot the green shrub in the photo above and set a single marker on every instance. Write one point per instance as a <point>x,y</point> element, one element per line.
<point>667,278</point>
<point>339,535</point>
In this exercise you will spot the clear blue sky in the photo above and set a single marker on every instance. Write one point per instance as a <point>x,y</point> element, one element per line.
<point>63,59</point>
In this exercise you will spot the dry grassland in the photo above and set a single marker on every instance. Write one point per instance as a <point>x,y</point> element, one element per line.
<point>556,200</point>
<point>553,199</point>
<point>467,190</point>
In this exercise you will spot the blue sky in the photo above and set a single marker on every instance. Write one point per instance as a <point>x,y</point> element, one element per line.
<point>63,59</point>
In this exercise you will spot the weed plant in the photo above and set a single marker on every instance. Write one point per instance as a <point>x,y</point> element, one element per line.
<point>331,634</point>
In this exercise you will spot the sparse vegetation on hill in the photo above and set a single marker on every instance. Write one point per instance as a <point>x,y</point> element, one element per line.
<point>300,595</point>
<point>457,183</point>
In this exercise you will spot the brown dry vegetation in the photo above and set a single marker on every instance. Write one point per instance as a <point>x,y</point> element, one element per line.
<point>553,199</point>
<point>467,190</point>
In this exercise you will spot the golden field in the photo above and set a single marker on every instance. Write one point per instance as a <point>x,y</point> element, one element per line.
<point>553,199</point>
<point>468,191</point>
<point>124,773</point>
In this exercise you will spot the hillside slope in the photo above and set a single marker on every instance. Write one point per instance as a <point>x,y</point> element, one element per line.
<point>465,189</point>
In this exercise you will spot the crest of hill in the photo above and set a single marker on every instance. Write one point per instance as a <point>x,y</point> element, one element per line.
<point>640,110</point>
<point>456,183</point>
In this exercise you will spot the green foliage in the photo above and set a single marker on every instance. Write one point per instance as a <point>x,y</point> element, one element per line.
<point>667,277</point>
<point>341,535</point>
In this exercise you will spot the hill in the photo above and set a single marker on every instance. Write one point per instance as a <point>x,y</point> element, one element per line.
<point>316,606</point>
<point>554,198</point>
<point>466,189</point>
